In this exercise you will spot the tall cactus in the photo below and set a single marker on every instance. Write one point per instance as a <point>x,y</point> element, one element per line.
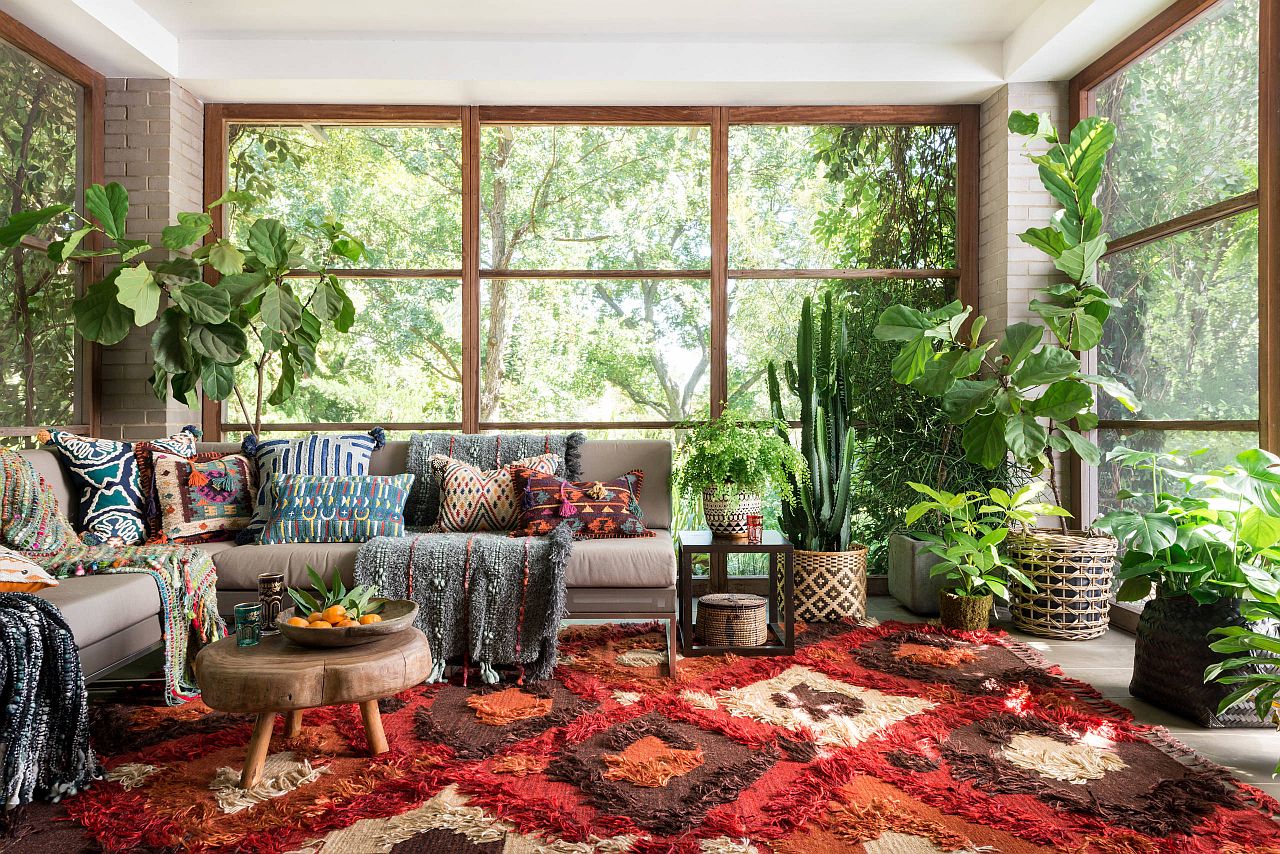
<point>820,520</point>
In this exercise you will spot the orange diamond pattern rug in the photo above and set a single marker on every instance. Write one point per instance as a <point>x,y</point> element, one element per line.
<point>893,739</point>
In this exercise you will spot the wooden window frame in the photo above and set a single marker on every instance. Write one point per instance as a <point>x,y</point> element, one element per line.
<point>94,85</point>
<point>1265,200</point>
<point>717,119</point>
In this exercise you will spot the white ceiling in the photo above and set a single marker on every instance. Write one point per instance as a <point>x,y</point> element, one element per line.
<point>588,51</point>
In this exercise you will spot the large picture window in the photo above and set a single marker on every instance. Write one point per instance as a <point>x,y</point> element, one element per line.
<point>619,270</point>
<point>1181,198</point>
<point>51,108</point>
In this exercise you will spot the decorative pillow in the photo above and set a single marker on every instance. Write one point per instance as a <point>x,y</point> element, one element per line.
<point>593,509</point>
<point>203,499</point>
<point>20,574</point>
<point>111,497</point>
<point>473,499</point>
<point>319,509</point>
<point>334,456</point>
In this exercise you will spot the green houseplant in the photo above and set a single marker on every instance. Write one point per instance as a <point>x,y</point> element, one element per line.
<point>1024,396</point>
<point>256,313</point>
<point>729,463</point>
<point>1204,546</point>
<point>972,527</point>
<point>830,569</point>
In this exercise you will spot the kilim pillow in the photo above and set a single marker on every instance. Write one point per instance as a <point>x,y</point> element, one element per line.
<point>473,499</point>
<point>203,499</point>
<point>111,497</point>
<point>593,509</point>
<point>20,574</point>
<point>319,509</point>
<point>331,456</point>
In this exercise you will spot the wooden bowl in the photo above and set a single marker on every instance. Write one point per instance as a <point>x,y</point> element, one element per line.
<point>397,615</point>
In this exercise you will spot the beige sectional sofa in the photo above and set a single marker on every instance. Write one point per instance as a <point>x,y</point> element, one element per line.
<point>115,618</point>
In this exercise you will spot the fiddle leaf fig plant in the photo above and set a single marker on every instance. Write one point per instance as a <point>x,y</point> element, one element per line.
<point>258,312</point>
<point>1025,394</point>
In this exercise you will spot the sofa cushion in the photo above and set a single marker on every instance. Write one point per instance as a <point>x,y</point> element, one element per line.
<point>602,459</point>
<point>48,464</point>
<point>238,566</point>
<point>632,562</point>
<point>98,606</point>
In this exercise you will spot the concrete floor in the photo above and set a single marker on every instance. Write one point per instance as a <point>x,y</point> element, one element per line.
<point>1106,664</point>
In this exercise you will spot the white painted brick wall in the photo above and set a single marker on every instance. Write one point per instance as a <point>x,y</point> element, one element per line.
<point>154,136</point>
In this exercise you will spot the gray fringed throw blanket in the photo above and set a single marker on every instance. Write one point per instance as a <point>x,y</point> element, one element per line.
<point>44,720</point>
<point>488,599</point>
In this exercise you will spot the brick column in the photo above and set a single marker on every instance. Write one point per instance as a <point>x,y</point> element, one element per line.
<point>154,148</point>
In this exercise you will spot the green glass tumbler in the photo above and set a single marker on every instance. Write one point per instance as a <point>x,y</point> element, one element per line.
<point>248,623</point>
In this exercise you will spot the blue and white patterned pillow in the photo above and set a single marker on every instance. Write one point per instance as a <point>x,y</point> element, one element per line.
<point>313,509</point>
<point>111,501</point>
<point>340,456</point>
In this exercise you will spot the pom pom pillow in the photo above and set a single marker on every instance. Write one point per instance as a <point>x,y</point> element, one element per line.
<point>20,574</point>
<point>473,499</point>
<point>203,499</point>
<point>594,509</point>
<point>331,456</point>
<point>319,509</point>
<point>112,502</point>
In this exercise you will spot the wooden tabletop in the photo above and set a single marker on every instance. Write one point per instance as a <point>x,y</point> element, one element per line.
<point>277,675</point>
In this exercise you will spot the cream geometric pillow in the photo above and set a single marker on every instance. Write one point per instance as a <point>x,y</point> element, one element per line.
<point>473,499</point>
<point>20,574</point>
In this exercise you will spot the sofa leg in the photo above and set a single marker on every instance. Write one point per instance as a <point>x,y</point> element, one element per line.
<point>672,645</point>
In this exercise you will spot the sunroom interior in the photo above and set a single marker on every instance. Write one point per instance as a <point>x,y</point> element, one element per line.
<point>622,222</point>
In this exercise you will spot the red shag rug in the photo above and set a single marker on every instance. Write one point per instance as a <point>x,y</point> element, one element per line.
<point>897,738</point>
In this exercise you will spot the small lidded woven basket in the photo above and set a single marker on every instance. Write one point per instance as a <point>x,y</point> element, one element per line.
<point>733,619</point>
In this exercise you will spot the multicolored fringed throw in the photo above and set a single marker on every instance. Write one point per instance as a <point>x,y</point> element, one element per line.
<point>45,752</point>
<point>31,523</point>
<point>469,587</point>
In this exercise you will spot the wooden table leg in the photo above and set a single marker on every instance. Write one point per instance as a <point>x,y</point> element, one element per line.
<point>373,727</point>
<point>259,743</point>
<point>293,723</point>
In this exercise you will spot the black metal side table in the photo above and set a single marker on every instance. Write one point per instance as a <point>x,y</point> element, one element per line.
<point>782,625</point>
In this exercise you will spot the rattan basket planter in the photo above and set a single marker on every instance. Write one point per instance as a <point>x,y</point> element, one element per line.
<point>966,613</point>
<point>733,619</point>
<point>727,516</point>
<point>1072,573</point>
<point>831,586</point>
<point>1172,651</point>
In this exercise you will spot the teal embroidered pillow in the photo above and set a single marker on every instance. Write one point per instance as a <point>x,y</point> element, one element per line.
<point>325,509</point>
<point>112,505</point>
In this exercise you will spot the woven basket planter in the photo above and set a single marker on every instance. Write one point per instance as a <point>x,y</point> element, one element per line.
<point>733,619</point>
<point>966,613</point>
<point>1172,651</point>
<point>831,586</point>
<point>727,516</point>
<point>1072,573</point>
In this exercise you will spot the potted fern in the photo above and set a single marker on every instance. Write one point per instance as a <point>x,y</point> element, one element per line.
<point>830,568</point>
<point>1025,395</point>
<point>730,463</point>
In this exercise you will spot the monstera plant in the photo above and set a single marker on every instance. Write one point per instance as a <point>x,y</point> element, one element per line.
<point>257,312</point>
<point>1024,395</point>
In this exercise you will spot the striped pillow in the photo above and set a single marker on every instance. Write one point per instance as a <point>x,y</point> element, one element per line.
<point>334,456</point>
<point>318,509</point>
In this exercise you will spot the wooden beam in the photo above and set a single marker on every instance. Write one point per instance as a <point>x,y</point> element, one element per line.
<point>378,273</point>
<point>925,114</point>
<point>347,114</point>
<point>1245,425</point>
<point>1196,219</point>
<point>346,426</point>
<point>471,270</point>
<point>905,273</point>
<point>637,116</point>
<point>719,261</point>
<point>595,274</point>
<point>968,184</point>
<point>30,42</point>
<point>215,184</point>
<point>1269,225</point>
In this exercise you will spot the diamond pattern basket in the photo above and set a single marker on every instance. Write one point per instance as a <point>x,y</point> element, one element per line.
<point>831,586</point>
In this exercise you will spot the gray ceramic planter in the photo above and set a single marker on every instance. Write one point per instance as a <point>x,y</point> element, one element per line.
<point>909,580</point>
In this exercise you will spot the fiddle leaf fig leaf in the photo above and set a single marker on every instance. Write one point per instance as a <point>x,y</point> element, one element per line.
<point>24,223</point>
<point>61,250</point>
<point>110,206</point>
<point>1118,390</point>
<point>1025,436</point>
<point>239,197</point>
<point>226,259</point>
<point>191,228</point>
<point>130,249</point>
<point>902,323</point>
<point>327,301</point>
<point>224,343</point>
<point>1086,450</point>
<point>243,287</point>
<point>205,304</point>
<point>1046,365</point>
<point>1019,341</point>
<point>983,440</point>
<point>286,385</point>
<point>99,315</point>
<point>170,345</point>
<point>1047,240</point>
<point>281,310</point>
<point>1063,400</point>
<point>1080,262</point>
<point>347,316</point>
<point>217,379</point>
<point>136,287</point>
<point>270,242</point>
<point>966,397</point>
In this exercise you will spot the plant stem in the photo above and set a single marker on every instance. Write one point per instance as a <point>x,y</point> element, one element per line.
<point>244,410</point>
<point>261,368</point>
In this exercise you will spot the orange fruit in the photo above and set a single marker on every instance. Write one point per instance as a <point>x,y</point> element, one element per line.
<point>370,618</point>
<point>319,624</point>
<point>334,614</point>
<point>313,616</point>
<point>296,621</point>
<point>345,623</point>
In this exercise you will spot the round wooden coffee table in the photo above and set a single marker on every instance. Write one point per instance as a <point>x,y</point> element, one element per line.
<point>279,676</point>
